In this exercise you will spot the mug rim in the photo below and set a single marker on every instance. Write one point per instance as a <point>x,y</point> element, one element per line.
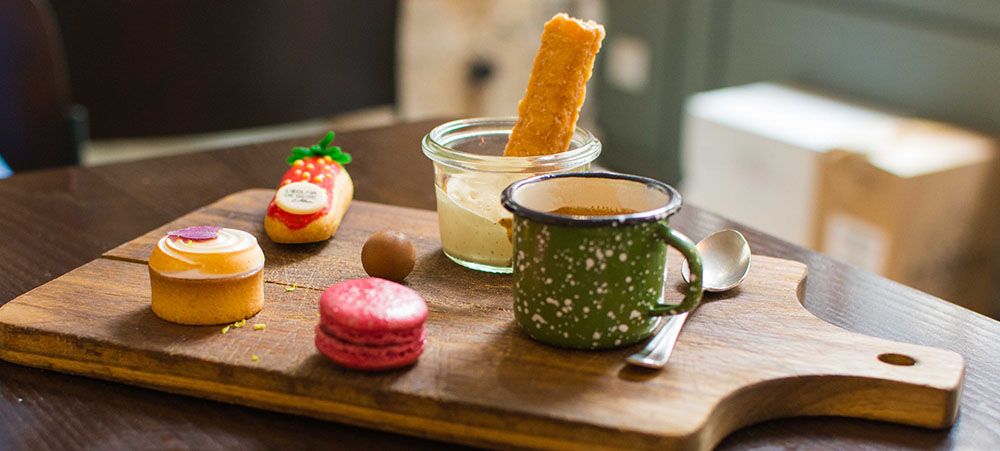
<point>544,217</point>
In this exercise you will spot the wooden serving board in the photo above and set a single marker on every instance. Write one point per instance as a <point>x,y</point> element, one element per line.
<point>745,356</point>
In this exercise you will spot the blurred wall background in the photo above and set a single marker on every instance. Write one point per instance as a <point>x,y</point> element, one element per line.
<point>473,58</point>
<point>937,60</point>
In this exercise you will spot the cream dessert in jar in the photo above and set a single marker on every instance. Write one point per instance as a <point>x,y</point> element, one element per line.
<point>474,225</point>
<point>470,172</point>
<point>206,275</point>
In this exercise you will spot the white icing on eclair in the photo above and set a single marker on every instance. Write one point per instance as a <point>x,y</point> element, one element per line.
<point>301,198</point>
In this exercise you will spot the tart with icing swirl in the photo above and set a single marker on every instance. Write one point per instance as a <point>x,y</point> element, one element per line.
<point>206,275</point>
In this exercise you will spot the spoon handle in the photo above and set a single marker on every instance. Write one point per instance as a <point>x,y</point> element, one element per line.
<point>658,350</point>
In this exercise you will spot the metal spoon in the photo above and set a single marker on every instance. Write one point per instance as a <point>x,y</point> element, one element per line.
<point>725,257</point>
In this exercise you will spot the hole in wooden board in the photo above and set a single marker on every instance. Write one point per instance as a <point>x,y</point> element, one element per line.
<point>897,359</point>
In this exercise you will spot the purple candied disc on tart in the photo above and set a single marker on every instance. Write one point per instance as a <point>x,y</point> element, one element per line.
<point>197,233</point>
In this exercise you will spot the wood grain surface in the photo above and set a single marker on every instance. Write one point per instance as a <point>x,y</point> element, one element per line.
<point>56,220</point>
<point>745,356</point>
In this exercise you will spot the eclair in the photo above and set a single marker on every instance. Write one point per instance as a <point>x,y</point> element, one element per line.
<point>313,195</point>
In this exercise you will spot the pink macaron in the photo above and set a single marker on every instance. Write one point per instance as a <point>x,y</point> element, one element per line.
<point>371,324</point>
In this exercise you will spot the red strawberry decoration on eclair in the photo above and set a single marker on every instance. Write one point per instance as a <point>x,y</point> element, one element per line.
<point>313,195</point>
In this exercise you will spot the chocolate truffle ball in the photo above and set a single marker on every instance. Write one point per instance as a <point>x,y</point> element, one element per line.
<point>388,254</point>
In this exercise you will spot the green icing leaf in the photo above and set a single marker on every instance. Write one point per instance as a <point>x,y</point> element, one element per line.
<point>326,141</point>
<point>342,158</point>
<point>321,149</point>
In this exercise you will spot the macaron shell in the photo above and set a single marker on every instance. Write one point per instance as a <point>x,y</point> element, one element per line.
<point>372,304</point>
<point>364,357</point>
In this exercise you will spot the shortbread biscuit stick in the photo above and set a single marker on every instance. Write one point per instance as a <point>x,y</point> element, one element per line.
<point>547,114</point>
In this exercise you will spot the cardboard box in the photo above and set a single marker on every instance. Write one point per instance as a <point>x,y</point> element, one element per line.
<point>754,153</point>
<point>918,207</point>
<point>911,200</point>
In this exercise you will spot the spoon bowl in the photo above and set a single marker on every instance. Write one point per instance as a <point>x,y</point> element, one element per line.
<point>725,257</point>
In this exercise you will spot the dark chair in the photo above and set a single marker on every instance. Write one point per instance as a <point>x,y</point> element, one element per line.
<point>148,69</point>
<point>38,125</point>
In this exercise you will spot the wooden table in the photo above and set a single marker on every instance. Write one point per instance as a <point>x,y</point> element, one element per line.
<point>55,220</point>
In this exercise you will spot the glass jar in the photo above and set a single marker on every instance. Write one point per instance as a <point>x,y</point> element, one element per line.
<point>470,172</point>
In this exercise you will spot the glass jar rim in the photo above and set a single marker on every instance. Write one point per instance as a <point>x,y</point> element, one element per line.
<point>436,147</point>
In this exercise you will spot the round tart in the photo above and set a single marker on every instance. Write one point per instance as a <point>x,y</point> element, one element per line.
<point>206,275</point>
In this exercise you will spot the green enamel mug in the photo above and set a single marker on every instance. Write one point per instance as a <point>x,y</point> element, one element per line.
<point>590,254</point>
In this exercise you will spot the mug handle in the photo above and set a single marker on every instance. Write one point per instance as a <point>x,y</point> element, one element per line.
<point>694,291</point>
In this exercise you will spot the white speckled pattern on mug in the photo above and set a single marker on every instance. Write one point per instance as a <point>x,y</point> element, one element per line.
<point>587,287</point>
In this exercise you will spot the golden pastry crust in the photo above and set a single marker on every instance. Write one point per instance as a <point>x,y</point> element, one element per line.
<point>323,227</point>
<point>207,301</point>
<point>556,90</point>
